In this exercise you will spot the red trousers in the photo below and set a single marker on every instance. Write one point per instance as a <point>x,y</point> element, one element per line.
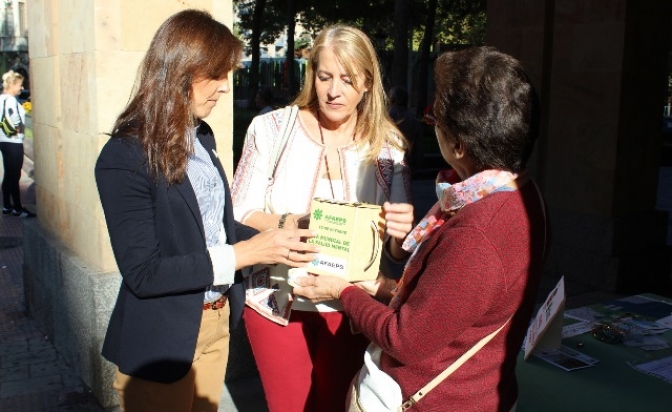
<point>307,365</point>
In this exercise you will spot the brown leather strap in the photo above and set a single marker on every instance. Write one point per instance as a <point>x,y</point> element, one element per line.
<point>217,304</point>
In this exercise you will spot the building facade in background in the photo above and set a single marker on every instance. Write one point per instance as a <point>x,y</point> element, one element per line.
<point>14,38</point>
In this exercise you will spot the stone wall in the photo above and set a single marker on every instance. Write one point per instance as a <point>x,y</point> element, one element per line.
<point>600,69</point>
<point>83,60</point>
<point>71,300</point>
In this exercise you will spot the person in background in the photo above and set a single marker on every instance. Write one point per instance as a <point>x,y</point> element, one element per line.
<point>302,48</point>
<point>11,145</point>
<point>407,123</point>
<point>341,146</point>
<point>169,215</point>
<point>264,100</point>
<point>477,255</point>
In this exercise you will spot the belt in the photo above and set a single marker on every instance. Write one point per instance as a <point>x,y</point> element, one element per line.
<point>217,304</point>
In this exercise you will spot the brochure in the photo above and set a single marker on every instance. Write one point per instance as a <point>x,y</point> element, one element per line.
<point>565,358</point>
<point>660,368</point>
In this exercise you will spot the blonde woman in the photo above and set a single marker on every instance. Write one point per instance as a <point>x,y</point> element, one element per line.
<point>341,146</point>
<point>11,145</point>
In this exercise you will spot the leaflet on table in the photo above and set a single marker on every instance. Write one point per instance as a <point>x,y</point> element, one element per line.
<point>646,342</point>
<point>666,321</point>
<point>585,313</point>
<point>653,328</point>
<point>641,327</point>
<point>641,305</point>
<point>660,368</point>
<point>565,358</point>
<point>576,329</point>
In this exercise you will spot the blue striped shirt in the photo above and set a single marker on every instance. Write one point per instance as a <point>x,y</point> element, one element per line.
<point>209,188</point>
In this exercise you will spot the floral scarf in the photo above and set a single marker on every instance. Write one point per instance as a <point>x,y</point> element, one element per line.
<point>453,196</point>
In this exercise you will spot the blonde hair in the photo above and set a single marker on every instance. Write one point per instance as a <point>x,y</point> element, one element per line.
<point>10,78</point>
<point>355,52</point>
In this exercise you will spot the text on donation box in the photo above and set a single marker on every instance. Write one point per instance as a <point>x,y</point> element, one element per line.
<point>350,238</point>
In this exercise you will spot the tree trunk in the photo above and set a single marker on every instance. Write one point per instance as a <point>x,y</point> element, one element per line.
<point>253,87</point>
<point>291,27</point>
<point>400,65</point>
<point>423,68</point>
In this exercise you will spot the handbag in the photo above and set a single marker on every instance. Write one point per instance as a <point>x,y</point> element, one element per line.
<point>7,127</point>
<point>262,293</point>
<point>375,391</point>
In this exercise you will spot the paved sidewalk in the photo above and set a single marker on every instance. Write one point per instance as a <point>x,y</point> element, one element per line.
<point>33,376</point>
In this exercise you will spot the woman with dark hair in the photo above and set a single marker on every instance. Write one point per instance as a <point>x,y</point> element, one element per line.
<point>170,219</point>
<point>342,145</point>
<point>477,256</point>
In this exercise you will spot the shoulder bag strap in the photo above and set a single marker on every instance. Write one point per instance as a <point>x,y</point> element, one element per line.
<point>279,145</point>
<point>543,211</point>
<point>18,113</point>
<point>415,398</point>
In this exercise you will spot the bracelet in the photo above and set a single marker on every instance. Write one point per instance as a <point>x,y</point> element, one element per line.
<point>281,222</point>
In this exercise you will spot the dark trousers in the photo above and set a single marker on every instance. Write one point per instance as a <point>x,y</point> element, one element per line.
<point>12,162</point>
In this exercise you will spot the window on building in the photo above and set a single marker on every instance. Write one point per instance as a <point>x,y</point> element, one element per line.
<point>8,26</point>
<point>23,20</point>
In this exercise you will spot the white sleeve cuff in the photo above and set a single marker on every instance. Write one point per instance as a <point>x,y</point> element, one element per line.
<point>223,264</point>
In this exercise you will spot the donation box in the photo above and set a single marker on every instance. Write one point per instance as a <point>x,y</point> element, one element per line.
<point>350,236</point>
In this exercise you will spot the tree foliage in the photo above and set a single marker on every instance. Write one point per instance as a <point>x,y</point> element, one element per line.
<point>420,25</point>
<point>371,16</point>
<point>461,23</point>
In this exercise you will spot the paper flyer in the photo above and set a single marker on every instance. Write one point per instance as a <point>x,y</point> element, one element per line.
<point>565,358</point>
<point>660,368</point>
<point>545,331</point>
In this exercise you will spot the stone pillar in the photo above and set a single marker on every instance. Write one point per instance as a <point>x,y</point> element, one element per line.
<point>83,59</point>
<point>600,69</point>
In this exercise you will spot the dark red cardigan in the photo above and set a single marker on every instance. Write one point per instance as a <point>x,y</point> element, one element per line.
<point>478,269</point>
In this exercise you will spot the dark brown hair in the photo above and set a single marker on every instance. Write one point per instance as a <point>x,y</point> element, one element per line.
<point>486,101</point>
<point>190,46</point>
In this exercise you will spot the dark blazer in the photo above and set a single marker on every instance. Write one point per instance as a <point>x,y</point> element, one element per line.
<point>158,240</point>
